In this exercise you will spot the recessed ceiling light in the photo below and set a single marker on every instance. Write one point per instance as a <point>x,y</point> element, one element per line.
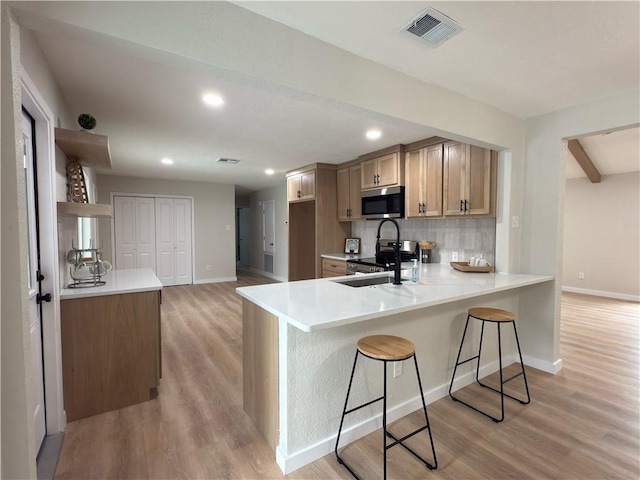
<point>213,100</point>
<point>167,161</point>
<point>373,134</point>
<point>269,171</point>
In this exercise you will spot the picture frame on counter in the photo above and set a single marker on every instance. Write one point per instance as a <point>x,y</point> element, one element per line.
<point>352,245</point>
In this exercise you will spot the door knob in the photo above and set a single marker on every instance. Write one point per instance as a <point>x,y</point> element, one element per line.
<point>43,298</point>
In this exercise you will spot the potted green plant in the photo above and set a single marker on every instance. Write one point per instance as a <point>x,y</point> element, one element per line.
<point>87,122</point>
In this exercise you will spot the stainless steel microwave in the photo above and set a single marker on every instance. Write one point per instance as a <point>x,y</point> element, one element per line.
<point>383,203</point>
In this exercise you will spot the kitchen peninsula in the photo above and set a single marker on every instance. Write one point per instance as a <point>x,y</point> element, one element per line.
<point>111,343</point>
<point>299,339</point>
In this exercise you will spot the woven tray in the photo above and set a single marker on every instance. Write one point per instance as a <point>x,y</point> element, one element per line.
<point>465,267</point>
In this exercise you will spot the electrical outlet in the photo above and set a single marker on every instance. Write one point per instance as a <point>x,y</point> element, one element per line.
<point>208,268</point>
<point>515,221</point>
<point>397,369</point>
<point>228,227</point>
<point>581,275</point>
<point>454,256</point>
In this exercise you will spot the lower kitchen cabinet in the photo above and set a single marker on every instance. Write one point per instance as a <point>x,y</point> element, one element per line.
<point>111,352</point>
<point>333,268</point>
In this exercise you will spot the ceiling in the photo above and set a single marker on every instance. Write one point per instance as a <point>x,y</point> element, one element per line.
<point>525,58</point>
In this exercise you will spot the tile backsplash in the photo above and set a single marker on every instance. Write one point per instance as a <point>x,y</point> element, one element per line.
<point>467,236</point>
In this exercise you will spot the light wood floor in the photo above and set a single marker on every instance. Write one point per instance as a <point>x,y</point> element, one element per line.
<point>582,423</point>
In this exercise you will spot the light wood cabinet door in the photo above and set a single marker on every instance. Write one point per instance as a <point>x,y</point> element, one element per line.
<point>388,170</point>
<point>369,173</point>
<point>301,186</point>
<point>469,180</point>
<point>454,178</point>
<point>478,171</point>
<point>355,194</point>
<point>423,191</point>
<point>413,188</point>
<point>344,194</point>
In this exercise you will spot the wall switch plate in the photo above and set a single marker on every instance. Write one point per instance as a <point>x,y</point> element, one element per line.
<point>397,369</point>
<point>454,256</point>
<point>228,227</point>
<point>208,268</point>
<point>581,275</point>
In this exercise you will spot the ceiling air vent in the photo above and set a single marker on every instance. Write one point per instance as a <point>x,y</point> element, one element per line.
<point>433,27</point>
<point>231,161</point>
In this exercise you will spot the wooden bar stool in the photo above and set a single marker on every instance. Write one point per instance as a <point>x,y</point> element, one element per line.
<point>387,348</point>
<point>498,317</point>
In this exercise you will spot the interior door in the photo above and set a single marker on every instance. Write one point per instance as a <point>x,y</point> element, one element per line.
<point>125,233</point>
<point>244,236</point>
<point>33,282</point>
<point>269,226</point>
<point>145,233</point>
<point>165,253</point>
<point>182,241</point>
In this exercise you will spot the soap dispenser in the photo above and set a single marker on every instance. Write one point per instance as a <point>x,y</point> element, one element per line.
<point>415,271</point>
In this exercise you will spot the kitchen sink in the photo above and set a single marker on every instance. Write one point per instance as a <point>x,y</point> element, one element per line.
<point>368,282</point>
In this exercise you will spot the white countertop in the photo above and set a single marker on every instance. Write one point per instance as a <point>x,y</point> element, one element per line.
<point>118,281</point>
<point>318,304</point>
<point>341,256</point>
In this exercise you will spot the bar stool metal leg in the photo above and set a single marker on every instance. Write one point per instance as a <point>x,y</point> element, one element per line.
<point>385,432</point>
<point>501,373</point>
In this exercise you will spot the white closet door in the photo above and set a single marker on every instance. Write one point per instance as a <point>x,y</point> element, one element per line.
<point>135,232</point>
<point>182,238</point>
<point>125,232</point>
<point>165,247</point>
<point>145,233</point>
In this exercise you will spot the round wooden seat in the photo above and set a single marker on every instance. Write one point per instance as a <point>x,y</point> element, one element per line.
<point>492,314</point>
<point>386,347</point>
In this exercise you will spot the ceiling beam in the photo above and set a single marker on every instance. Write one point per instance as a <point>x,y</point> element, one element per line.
<point>584,161</point>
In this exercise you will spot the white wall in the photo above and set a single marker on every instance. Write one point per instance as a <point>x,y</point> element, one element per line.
<point>281,257</point>
<point>214,220</point>
<point>602,236</point>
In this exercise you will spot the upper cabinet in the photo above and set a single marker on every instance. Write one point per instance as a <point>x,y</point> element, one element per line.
<point>349,196</point>
<point>301,186</point>
<point>384,168</point>
<point>469,180</point>
<point>423,193</point>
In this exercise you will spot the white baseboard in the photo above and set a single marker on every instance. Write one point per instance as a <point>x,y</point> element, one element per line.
<point>600,293</point>
<point>544,365</point>
<point>296,460</point>
<point>265,274</point>
<point>215,280</point>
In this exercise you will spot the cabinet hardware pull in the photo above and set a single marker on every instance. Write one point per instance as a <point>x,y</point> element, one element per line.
<point>298,193</point>
<point>461,206</point>
<point>465,206</point>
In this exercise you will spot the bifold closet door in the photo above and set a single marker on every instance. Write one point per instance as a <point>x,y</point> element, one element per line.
<point>173,245</point>
<point>135,232</point>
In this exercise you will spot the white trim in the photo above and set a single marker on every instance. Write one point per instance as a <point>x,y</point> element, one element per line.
<point>601,293</point>
<point>215,280</point>
<point>263,273</point>
<point>51,326</point>
<point>544,365</point>
<point>158,195</point>
<point>296,460</point>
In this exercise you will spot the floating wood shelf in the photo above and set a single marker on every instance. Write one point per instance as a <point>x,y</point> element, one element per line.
<point>90,149</point>
<point>88,210</point>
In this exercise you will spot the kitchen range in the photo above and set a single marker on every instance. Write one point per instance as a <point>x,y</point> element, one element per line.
<point>409,250</point>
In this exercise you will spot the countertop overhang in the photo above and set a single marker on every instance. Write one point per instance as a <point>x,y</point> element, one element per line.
<point>323,303</point>
<point>118,282</point>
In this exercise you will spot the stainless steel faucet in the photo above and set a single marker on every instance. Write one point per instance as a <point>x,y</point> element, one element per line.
<point>397,267</point>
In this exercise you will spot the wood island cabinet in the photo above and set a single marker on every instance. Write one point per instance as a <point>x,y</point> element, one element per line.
<point>301,186</point>
<point>469,180</point>
<point>384,168</point>
<point>314,228</point>
<point>423,193</point>
<point>111,354</point>
<point>349,194</point>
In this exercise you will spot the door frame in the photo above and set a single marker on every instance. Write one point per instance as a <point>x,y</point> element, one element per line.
<point>35,104</point>
<point>156,195</point>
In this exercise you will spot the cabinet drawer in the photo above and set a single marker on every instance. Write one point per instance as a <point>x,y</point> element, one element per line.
<point>333,268</point>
